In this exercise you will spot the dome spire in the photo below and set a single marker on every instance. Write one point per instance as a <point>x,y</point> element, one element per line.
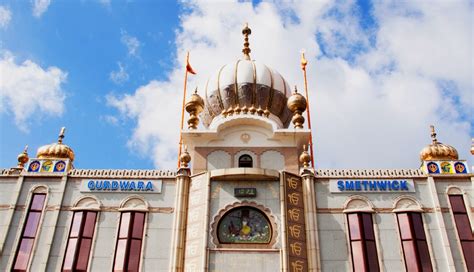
<point>246,32</point>
<point>433,134</point>
<point>61,135</point>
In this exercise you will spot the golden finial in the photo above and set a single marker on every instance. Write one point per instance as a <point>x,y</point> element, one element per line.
<point>297,104</point>
<point>61,135</point>
<point>305,158</point>
<point>304,62</point>
<point>23,157</point>
<point>246,32</point>
<point>185,158</point>
<point>194,107</point>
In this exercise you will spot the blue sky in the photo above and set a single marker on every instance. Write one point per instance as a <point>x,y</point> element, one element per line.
<point>111,73</point>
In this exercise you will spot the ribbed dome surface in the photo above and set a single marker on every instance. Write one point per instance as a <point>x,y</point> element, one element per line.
<point>244,85</point>
<point>55,151</point>
<point>438,151</point>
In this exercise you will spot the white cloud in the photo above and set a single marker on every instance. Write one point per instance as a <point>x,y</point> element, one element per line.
<point>132,43</point>
<point>5,16</point>
<point>30,91</point>
<point>40,7</point>
<point>371,107</point>
<point>120,76</point>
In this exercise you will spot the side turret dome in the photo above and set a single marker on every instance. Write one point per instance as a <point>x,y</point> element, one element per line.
<point>437,150</point>
<point>56,150</point>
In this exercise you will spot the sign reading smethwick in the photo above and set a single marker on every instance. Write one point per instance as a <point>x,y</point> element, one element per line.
<point>371,185</point>
<point>117,186</point>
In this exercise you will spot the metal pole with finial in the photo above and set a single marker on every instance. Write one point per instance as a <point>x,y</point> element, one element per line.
<point>433,134</point>
<point>188,69</point>
<point>304,62</point>
<point>61,135</point>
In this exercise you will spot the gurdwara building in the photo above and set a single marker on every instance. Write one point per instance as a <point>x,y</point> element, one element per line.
<point>246,197</point>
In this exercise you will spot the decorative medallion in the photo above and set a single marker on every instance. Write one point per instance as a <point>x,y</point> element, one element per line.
<point>47,166</point>
<point>432,168</point>
<point>34,166</point>
<point>244,225</point>
<point>245,137</point>
<point>446,168</point>
<point>460,168</point>
<point>60,166</point>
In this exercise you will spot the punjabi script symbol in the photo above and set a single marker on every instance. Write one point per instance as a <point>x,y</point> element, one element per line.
<point>295,231</point>
<point>294,198</point>
<point>293,183</point>
<point>294,214</point>
<point>297,266</point>
<point>296,248</point>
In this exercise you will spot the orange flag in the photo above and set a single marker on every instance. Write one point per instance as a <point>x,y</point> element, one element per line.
<point>188,66</point>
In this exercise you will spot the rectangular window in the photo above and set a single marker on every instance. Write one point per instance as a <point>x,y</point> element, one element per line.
<point>362,239</point>
<point>28,234</point>
<point>415,247</point>
<point>129,241</point>
<point>464,228</point>
<point>80,241</point>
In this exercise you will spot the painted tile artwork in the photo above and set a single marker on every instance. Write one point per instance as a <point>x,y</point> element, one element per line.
<point>244,225</point>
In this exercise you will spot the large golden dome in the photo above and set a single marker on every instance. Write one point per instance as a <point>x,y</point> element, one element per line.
<point>437,150</point>
<point>247,87</point>
<point>56,150</point>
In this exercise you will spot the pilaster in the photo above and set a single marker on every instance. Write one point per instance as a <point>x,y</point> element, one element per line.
<point>309,198</point>
<point>179,222</point>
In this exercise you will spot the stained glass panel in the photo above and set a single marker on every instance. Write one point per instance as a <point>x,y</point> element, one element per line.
<point>244,225</point>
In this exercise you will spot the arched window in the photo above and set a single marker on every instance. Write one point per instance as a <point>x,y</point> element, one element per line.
<point>244,225</point>
<point>245,161</point>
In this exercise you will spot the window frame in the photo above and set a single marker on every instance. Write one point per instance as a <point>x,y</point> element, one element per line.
<point>129,239</point>
<point>37,191</point>
<point>461,241</point>
<point>246,156</point>
<point>364,241</point>
<point>414,239</point>
<point>79,237</point>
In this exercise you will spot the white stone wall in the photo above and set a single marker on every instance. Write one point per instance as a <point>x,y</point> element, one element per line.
<point>218,160</point>
<point>272,160</point>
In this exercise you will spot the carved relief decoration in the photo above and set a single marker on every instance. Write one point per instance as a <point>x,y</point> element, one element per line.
<point>358,203</point>
<point>406,203</point>
<point>296,247</point>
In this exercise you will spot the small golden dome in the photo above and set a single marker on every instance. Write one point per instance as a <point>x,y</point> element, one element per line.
<point>437,150</point>
<point>23,157</point>
<point>305,158</point>
<point>296,102</point>
<point>185,158</point>
<point>56,150</point>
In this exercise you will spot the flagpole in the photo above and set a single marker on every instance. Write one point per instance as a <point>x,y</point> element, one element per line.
<point>304,62</point>
<point>182,108</point>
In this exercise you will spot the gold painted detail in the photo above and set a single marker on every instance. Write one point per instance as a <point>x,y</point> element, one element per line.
<point>194,107</point>
<point>56,150</point>
<point>246,32</point>
<point>185,158</point>
<point>305,158</point>
<point>23,157</point>
<point>297,104</point>
<point>437,150</point>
